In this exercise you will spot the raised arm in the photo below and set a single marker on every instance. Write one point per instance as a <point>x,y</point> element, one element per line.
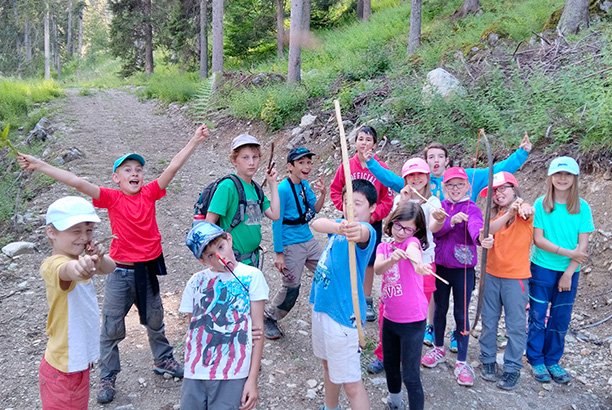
<point>179,159</point>
<point>273,212</point>
<point>386,177</point>
<point>65,177</point>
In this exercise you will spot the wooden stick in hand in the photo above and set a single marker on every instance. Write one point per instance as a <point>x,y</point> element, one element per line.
<point>395,248</point>
<point>427,200</point>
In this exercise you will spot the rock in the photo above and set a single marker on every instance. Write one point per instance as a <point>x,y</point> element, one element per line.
<point>266,362</point>
<point>547,386</point>
<point>69,155</point>
<point>125,407</point>
<point>167,376</point>
<point>303,332</point>
<point>443,83</point>
<point>311,394</point>
<point>302,323</point>
<point>395,143</point>
<point>18,248</point>
<point>578,317</point>
<point>141,380</point>
<point>291,385</point>
<point>378,381</point>
<point>312,383</point>
<point>610,381</point>
<point>585,352</point>
<point>296,131</point>
<point>582,379</point>
<point>40,132</point>
<point>297,141</point>
<point>570,339</point>
<point>307,120</point>
<point>176,407</point>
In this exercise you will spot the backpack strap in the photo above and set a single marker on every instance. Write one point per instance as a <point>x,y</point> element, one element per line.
<point>242,203</point>
<point>302,218</point>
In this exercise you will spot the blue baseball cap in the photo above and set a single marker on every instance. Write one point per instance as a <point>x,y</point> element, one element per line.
<point>201,235</point>
<point>126,157</point>
<point>564,164</point>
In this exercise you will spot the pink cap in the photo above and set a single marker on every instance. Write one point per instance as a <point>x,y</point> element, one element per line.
<point>414,165</point>
<point>454,172</point>
<point>499,179</point>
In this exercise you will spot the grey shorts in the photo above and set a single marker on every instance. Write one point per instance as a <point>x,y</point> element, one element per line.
<point>211,394</point>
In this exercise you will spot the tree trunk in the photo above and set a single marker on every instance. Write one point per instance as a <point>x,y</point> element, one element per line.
<point>295,42</point>
<point>69,45</point>
<point>468,7</point>
<point>203,38</point>
<point>217,29</point>
<point>80,44</point>
<point>360,9</point>
<point>575,16</point>
<point>367,10</point>
<point>47,46</point>
<point>17,38</point>
<point>306,21</point>
<point>280,29</point>
<point>56,50</point>
<point>27,42</point>
<point>148,27</point>
<point>414,38</point>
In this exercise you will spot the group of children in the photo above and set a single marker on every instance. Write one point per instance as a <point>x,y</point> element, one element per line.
<point>434,227</point>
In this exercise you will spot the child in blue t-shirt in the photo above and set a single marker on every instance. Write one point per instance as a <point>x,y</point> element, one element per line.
<point>561,229</point>
<point>334,330</point>
<point>294,245</point>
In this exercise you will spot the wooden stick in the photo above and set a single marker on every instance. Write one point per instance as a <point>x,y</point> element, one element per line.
<point>350,217</point>
<point>412,260</point>
<point>427,200</point>
<point>270,164</point>
<point>104,240</point>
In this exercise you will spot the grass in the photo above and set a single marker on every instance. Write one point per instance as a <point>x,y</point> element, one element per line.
<point>17,98</point>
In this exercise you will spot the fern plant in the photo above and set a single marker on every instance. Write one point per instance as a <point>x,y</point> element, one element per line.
<point>203,101</point>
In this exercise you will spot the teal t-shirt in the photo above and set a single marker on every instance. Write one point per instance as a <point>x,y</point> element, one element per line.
<point>246,236</point>
<point>562,229</point>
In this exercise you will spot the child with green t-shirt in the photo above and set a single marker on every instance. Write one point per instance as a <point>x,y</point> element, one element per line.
<point>245,157</point>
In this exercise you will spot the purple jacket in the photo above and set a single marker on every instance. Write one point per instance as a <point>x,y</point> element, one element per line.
<point>452,251</point>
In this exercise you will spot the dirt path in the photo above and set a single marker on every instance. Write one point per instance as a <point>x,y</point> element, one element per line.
<point>105,126</point>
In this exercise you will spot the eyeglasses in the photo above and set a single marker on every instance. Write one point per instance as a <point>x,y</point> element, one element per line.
<point>460,185</point>
<point>502,188</point>
<point>405,229</point>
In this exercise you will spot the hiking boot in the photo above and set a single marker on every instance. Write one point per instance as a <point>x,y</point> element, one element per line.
<point>390,406</point>
<point>453,342</point>
<point>428,338</point>
<point>540,373</point>
<point>376,366</point>
<point>370,313</point>
<point>508,381</point>
<point>271,330</point>
<point>433,357</point>
<point>106,389</point>
<point>489,372</point>
<point>170,366</point>
<point>558,374</point>
<point>465,374</point>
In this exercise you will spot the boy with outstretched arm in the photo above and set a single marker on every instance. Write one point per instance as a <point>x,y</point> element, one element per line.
<point>73,323</point>
<point>225,203</point>
<point>334,331</point>
<point>224,303</point>
<point>294,245</point>
<point>137,252</point>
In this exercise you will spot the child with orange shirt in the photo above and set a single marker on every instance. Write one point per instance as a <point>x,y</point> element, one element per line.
<point>506,281</point>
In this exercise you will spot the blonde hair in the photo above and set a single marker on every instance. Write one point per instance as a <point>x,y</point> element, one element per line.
<point>573,200</point>
<point>496,209</point>
<point>425,191</point>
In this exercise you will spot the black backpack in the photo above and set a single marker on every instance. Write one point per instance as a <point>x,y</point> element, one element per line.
<point>201,206</point>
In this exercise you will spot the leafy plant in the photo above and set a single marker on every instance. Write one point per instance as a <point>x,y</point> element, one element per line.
<point>203,100</point>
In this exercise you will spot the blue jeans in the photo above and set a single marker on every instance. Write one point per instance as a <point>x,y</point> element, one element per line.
<point>402,343</point>
<point>546,340</point>
<point>512,295</point>
<point>119,296</point>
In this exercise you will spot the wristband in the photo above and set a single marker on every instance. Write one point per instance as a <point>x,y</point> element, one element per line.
<point>557,251</point>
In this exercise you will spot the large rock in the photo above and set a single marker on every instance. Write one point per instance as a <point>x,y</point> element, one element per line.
<point>40,132</point>
<point>307,120</point>
<point>443,83</point>
<point>18,248</point>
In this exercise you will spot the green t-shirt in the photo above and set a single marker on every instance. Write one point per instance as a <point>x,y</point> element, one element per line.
<point>562,229</point>
<point>246,236</point>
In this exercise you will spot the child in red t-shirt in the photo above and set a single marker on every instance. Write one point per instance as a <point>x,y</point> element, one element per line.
<point>137,253</point>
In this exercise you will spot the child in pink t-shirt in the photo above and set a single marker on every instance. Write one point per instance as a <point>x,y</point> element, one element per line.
<point>405,305</point>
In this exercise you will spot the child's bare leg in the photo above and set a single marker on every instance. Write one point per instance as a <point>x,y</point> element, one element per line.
<point>332,390</point>
<point>357,395</point>
<point>368,281</point>
<point>430,311</point>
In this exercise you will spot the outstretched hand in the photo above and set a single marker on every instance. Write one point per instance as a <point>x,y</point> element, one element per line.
<point>27,161</point>
<point>272,175</point>
<point>526,143</point>
<point>201,133</point>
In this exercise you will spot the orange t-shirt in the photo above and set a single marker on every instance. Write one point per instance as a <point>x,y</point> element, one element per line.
<point>509,257</point>
<point>132,219</point>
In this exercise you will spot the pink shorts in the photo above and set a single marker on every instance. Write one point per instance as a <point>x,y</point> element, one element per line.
<point>429,282</point>
<point>60,391</point>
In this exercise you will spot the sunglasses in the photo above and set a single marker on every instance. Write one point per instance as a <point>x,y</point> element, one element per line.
<point>405,229</point>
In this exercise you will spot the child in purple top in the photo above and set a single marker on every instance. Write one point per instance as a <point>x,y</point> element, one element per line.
<point>456,239</point>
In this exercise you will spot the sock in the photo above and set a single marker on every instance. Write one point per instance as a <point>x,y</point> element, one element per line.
<point>327,408</point>
<point>459,362</point>
<point>395,399</point>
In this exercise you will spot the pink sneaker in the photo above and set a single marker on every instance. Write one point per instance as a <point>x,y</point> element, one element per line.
<point>433,357</point>
<point>465,374</point>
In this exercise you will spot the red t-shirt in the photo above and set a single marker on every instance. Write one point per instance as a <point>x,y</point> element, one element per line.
<point>132,219</point>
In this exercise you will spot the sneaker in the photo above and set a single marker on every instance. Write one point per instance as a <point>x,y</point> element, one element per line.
<point>453,343</point>
<point>170,366</point>
<point>465,374</point>
<point>489,372</point>
<point>390,406</point>
<point>376,366</point>
<point>558,374</point>
<point>433,357</point>
<point>540,373</point>
<point>428,338</point>
<point>106,389</point>
<point>508,381</point>
<point>271,330</point>
<point>370,313</point>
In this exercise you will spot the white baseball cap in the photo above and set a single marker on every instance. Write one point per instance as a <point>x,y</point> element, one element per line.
<point>69,211</point>
<point>244,139</point>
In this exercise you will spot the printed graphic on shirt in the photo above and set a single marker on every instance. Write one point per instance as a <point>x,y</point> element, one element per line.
<point>253,211</point>
<point>463,254</point>
<point>322,273</point>
<point>220,327</point>
<point>391,283</point>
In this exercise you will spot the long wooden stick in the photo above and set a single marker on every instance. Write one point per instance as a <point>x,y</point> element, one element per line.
<point>350,217</point>
<point>433,273</point>
<point>270,164</point>
<point>427,200</point>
